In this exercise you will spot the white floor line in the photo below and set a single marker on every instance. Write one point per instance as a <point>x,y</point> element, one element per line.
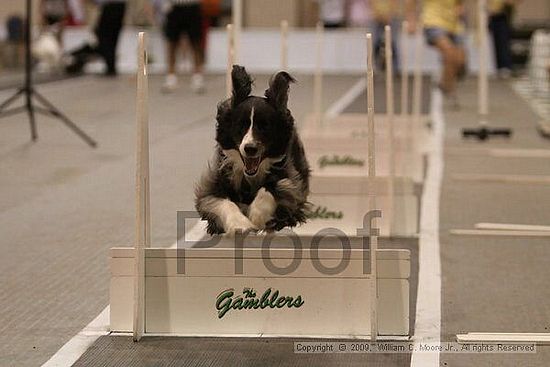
<point>340,105</point>
<point>428,304</point>
<point>74,348</point>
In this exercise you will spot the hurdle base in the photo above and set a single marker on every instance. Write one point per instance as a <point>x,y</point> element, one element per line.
<point>485,133</point>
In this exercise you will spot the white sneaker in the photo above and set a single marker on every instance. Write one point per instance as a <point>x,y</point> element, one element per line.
<point>197,83</point>
<point>170,83</point>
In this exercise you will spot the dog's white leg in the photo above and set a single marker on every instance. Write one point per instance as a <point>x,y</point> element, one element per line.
<point>229,215</point>
<point>262,208</point>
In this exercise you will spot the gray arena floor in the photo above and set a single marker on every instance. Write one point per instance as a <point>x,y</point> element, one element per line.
<point>63,205</point>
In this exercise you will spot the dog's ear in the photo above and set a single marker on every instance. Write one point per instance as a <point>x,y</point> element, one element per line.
<point>242,84</point>
<point>277,93</point>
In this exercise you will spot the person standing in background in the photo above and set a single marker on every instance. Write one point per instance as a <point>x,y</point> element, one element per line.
<point>107,31</point>
<point>500,14</point>
<point>183,18</point>
<point>441,22</point>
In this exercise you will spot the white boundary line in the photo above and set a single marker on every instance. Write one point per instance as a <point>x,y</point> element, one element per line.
<point>513,227</point>
<point>74,348</point>
<point>79,344</point>
<point>498,232</point>
<point>428,304</point>
<point>538,338</point>
<point>343,102</point>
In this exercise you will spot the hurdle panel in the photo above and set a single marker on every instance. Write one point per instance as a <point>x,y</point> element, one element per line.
<point>185,304</point>
<point>346,212</point>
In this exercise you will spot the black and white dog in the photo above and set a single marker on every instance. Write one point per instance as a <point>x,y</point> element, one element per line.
<point>259,179</point>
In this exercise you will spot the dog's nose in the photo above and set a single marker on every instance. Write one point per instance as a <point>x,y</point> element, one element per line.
<point>251,149</point>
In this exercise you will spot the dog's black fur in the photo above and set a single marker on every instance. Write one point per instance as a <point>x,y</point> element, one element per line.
<point>265,162</point>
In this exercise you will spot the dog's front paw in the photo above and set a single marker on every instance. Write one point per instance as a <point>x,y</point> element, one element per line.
<point>262,208</point>
<point>239,223</point>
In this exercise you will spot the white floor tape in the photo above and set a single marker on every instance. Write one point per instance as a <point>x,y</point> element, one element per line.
<point>428,305</point>
<point>74,348</point>
<point>351,95</point>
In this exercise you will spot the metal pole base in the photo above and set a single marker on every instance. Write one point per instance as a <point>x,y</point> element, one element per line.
<point>484,133</point>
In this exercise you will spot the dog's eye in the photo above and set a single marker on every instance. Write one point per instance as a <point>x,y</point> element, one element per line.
<point>263,127</point>
<point>244,127</point>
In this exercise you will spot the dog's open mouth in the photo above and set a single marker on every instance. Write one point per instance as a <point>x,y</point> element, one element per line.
<point>251,165</point>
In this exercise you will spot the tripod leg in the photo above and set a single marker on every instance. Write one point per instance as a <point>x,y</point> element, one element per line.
<point>30,111</point>
<point>8,101</point>
<point>55,112</point>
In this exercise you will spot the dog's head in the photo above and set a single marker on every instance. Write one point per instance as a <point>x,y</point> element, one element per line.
<point>255,130</point>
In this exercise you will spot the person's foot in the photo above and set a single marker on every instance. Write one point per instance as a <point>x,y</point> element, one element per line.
<point>170,83</point>
<point>197,83</point>
<point>450,99</point>
<point>75,65</point>
<point>452,102</point>
<point>504,73</point>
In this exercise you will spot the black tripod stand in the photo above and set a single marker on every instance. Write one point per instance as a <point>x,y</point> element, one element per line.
<point>28,92</point>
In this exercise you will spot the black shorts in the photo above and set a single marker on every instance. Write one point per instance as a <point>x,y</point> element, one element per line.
<point>53,19</point>
<point>184,19</point>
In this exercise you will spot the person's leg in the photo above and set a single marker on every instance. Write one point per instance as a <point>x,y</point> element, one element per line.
<point>378,42</point>
<point>450,57</point>
<point>458,41</point>
<point>171,51</point>
<point>193,28</point>
<point>501,38</point>
<point>493,27</point>
<point>395,32</point>
<point>118,12</point>
<point>172,34</point>
<point>108,31</point>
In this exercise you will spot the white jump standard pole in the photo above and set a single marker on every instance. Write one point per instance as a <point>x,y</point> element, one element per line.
<point>230,59</point>
<point>237,15</point>
<point>405,86</point>
<point>318,77</point>
<point>284,45</point>
<point>372,190</point>
<point>390,113</point>
<point>404,70</point>
<point>143,213</point>
<point>417,77</point>
<point>483,132</point>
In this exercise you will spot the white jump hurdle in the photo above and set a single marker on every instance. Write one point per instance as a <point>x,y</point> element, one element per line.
<point>152,293</point>
<point>337,152</point>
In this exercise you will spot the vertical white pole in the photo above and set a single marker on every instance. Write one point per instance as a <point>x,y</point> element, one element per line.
<point>143,216</point>
<point>483,81</point>
<point>284,45</point>
<point>390,116</point>
<point>318,77</point>
<point>405,86</point>
<point>372,188</point>
<point>230,59</point>
<point>417,82</point>
<point>404,70</point>
<point>237,12</point>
